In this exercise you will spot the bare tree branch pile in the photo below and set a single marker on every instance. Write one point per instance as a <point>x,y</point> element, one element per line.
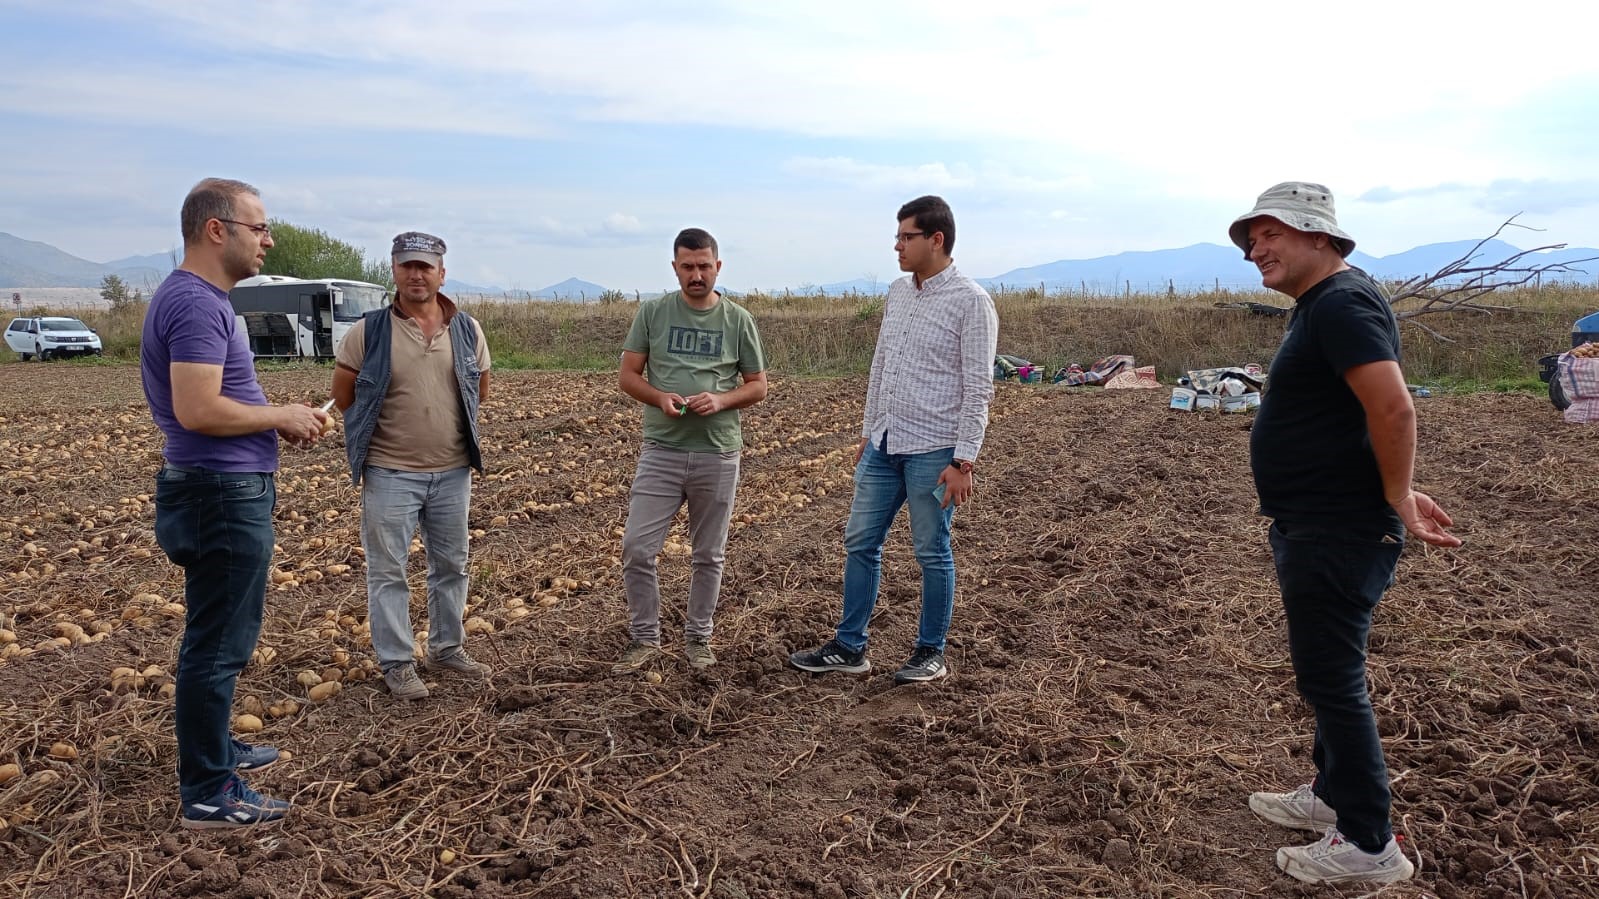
<point>1460,285</point>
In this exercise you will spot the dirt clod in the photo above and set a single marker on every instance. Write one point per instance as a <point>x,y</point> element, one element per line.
<point>1120,676</point>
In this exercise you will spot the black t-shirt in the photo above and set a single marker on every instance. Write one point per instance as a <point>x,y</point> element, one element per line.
<point>1309,447</point>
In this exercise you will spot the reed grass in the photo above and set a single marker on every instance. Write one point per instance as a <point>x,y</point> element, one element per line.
<point>815,336</point>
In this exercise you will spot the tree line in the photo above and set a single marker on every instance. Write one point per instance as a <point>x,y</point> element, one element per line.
<point>296,253</point>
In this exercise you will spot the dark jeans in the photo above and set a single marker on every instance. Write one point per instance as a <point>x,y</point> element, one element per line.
<point>1331,579</point>
<point>218,526</point>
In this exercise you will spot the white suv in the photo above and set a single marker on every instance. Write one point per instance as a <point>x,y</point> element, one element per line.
<point>50,337</point>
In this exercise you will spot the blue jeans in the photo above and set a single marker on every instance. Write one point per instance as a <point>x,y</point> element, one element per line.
<point>218,527</point>
<point>1331,580</point>
<point>883,483</point>
<point>393,503</point>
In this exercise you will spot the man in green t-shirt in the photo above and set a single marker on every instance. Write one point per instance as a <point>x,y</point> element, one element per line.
<point>693,358</point>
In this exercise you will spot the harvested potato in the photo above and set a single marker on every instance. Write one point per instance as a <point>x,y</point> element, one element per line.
<point>325,691</point>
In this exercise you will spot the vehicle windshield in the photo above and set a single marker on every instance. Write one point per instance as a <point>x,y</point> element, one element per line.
<point>61,324</point>
<point>357,300</point>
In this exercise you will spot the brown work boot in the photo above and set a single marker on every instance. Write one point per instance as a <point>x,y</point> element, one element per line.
<point>635,656</point>
<point>698,651</point>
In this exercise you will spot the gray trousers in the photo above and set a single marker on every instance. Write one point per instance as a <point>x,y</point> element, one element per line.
<point>393,504</point>
<point>665,480</point>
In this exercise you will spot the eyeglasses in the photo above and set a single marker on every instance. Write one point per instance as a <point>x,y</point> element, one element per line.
<point>261,230</point>
<point>905,236</point>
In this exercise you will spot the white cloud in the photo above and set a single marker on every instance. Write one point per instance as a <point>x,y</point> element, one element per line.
<point>1149,78</point>
<point>292,106</point>
<point>621,223</point>
<point>933,176</point>
<point>1058,129</point>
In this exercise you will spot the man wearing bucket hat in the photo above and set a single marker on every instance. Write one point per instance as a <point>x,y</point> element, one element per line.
<point>409,381</point>
<point>1332,450</point>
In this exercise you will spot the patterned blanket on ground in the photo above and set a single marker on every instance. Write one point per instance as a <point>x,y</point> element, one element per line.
<point>1579,378</point>
<point>1102,371</point>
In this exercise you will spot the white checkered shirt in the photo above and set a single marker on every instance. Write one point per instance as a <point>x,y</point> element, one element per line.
<point>933,371</point>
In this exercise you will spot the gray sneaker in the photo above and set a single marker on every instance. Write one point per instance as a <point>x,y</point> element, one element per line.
<point>404,683</point>
<point>1300,809</point>
<point>698,650</point>
<point>634,657</point>
<point>460,663</point>
<point>1333,859</point>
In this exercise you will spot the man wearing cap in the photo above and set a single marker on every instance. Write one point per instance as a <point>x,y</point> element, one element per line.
<point>409,380</point>
<point>1332,449</point>
<point>693,358</point>
<point>216,490</point>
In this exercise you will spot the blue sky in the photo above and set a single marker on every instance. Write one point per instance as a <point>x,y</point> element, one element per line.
<point>551,140</point>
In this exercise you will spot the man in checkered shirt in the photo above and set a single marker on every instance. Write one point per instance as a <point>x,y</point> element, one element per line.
<point>926,409</point>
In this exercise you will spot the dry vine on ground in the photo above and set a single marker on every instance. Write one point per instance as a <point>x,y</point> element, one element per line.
<point>1120,680</point>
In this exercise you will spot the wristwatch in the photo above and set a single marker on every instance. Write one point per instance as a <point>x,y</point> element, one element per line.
<point>961,465</point>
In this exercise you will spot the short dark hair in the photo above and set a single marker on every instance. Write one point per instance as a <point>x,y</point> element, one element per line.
<point>695,239</point>
<point>210,199</point>
<point>931,214</point>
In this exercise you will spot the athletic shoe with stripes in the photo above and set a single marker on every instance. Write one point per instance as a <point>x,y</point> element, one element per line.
<point>831,656</point>
<point>926,663</point>
<point>1333,859</point>
<point>236,805</point>
<point>1299,808</point>
<point>252,758</point>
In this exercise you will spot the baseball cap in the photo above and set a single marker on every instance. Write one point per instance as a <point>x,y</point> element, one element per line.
<point>415,246</point>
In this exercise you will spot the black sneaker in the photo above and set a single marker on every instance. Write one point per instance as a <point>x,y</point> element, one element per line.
<point>236,805</point>
<point>926,663</point>
<point>831,656</point>
<point>252,758</point>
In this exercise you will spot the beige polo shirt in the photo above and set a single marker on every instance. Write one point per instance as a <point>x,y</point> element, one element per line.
<point>420,426</point>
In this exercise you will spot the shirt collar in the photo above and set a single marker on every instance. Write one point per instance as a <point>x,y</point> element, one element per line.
<point>445,303</point>
<point>937,280</point>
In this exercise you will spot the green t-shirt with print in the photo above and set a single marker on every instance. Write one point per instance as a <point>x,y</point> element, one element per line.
<point>693,351</point>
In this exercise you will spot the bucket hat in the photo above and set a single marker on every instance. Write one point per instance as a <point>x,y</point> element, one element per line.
<point>1301,205</point>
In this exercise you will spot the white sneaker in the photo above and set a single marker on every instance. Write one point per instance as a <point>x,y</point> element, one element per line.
<point>1333,859</point>
<point>1300,809</point>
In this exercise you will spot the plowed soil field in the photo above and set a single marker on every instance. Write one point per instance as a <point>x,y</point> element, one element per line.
<point>1120,675</point>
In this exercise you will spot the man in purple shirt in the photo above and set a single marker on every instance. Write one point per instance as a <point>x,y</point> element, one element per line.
<point>215,492</point>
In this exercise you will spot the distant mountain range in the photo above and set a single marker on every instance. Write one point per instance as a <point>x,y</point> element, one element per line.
<point>30,263</point>
<point>27,263</point>
<point>1207,265</point>
<point>572,289</point>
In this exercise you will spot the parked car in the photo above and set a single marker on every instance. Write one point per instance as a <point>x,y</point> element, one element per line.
<point>50,337</point>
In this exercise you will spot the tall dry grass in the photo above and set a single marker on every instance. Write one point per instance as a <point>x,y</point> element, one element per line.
<point>818,336</point>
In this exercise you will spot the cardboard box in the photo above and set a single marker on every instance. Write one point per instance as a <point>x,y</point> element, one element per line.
<point>1247,402</point>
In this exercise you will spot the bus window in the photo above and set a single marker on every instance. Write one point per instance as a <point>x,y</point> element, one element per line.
<point>351,301</point>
